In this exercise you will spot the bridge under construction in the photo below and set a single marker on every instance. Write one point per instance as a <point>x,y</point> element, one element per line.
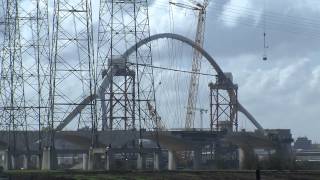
<point>78,94</point>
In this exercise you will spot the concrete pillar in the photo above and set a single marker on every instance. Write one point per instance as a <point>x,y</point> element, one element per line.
<point>13,164</point>
<point>171,160</point>
<point>46,159</point>
<point>60,160</point>
<point>90,159</point>
<point>241,158</point>
<point>196,159</point>
<point>38,162</point>
<point>140,161</point>
<point>5,160</point>
<point>25,163</point>
<point>108,160</point>
<point>85,161</point>
<point>49,159</point>
<point>156,165</point>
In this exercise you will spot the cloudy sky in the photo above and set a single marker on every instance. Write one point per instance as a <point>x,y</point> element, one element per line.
<point>281,92</point>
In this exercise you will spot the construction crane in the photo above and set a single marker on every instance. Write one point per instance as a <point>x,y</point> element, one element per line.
<point>196,61</point>
<point>156,118</point>
<point>201,115</point>
<point>202,111</point>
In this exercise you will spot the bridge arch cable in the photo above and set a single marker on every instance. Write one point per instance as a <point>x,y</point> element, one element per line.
<point>169,74</point>
<point>173,70</point>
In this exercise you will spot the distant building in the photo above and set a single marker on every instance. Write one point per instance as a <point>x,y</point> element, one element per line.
<point>308,155</point>
<point>305,150</point>
<point>281,135</point>
<point>283,138</point>
<point>303,143</point>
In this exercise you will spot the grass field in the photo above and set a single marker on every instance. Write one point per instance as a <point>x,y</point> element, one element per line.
<point>181,175</point>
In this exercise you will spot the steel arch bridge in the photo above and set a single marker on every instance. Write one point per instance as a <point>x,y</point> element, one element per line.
<point>185,40</point>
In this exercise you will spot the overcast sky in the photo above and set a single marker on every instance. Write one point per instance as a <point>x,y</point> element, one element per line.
<point>282,92</point>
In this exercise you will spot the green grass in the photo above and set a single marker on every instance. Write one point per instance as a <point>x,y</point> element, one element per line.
<point>163,175</point>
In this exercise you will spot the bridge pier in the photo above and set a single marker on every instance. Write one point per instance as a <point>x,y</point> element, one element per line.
<point>141,161</point>
<point>196,159</point>
<point>5,160</point>
<point>171,160</point>
<point>108,160</point>
<point>241,158</point>
<point>247,157</point>
<point>12,162</point>
<point>49,159</point>
<point>25,161</point>
<point>93,159</point>
<point>90,159</point>
<point>156,164</point>
<point>38,161</point>
<point>46,164</point>
<point>84,161</point>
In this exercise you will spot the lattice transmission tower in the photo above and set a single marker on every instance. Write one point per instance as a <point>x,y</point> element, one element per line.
<point>72,68</point>
<point>24,83</point>
<point>121,25</point>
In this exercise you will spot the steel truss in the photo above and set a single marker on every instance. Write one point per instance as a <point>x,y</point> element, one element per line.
<point>121,25</point>
<point>223,106</point>
<point>24,81</point>
<point>72,69</point>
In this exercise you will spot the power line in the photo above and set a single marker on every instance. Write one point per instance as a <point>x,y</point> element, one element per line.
<point>174,70</point>
<point>250,11</point>
<point>270,18</point>
<point>270,13</point>
<point>299,29</point>
<point>274,19</point>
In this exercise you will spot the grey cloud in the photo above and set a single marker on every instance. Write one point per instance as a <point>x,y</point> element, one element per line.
<point>281,92</point>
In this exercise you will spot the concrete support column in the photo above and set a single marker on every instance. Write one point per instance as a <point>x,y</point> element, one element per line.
<point>49,159</point>
<point>140,161</point>
<point>38,162</point>
<point>59,160</point>
<point>84,161</point>
<point>197,159</point>
<point>156,165</point>
<point>5,160</point>
<point>90,159</point>
<point>241,157</point>
<point>108,160</point>
<point>25,163</point>
<point>13,162</point>
<point>171,160</point>
<point>46,159</point>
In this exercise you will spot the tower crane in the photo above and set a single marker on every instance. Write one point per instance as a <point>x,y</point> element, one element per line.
<point>156,118</point>
<point>201,115</point>
<point>202,111</point>
<point>196,61</point>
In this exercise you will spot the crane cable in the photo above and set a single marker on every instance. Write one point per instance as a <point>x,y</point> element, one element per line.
<point>265,47</point>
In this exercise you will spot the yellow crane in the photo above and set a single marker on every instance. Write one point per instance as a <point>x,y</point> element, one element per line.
<point>196,61</point>
<point>155,117</point>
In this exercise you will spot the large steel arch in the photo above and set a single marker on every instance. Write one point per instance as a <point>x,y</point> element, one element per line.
<point>183,39</point>
<point>206,55</point>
